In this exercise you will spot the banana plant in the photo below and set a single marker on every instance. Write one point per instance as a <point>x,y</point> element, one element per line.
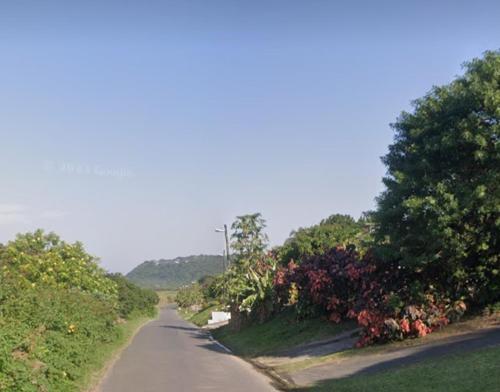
<point>250,289</point>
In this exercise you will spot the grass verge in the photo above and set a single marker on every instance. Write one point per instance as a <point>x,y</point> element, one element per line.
<point>279,333</point>
<point>470,325</point>
<point>476,371</point>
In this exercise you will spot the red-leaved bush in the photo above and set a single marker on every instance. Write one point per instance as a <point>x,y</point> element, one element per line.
<point>330,281</point>
<point>341,285</point>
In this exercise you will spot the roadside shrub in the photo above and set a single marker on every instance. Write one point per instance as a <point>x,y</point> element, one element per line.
<point>189,295</point>
<point>48,336</point>
<point>56,307</point>
<point>209,284</point>
<point>382,322</point>
<point>385,299</point>
<point>330,282</point>
<point>132,299</point>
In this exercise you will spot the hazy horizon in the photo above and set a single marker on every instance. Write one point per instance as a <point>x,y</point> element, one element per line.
<point>138,130</point>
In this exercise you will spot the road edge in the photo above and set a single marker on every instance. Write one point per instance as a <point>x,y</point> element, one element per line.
<point>98,377</point>
<point>280,382</point>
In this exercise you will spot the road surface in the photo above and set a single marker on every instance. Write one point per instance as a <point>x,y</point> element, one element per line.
<point>169,354</point>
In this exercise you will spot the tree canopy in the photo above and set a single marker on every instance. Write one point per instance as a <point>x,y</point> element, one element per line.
<point>336,230</point>
<point>440,210</point>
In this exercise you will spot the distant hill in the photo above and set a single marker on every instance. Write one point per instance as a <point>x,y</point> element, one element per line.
<point>170,274</point>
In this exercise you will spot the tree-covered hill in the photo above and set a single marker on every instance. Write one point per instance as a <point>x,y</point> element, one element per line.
<point>175,272</point>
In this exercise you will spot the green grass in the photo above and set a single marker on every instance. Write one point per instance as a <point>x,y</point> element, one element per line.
<point>281,332</point>
<point>476,371</point>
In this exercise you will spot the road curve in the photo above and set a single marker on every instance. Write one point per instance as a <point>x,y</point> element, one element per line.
<point>169,354</point>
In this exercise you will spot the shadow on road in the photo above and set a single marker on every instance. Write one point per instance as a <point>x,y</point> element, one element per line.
<point>179,327</point>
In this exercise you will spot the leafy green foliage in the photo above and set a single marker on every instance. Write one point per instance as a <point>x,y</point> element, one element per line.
<point>435,249</point>
<point>171,274</point>
<point>440,213</point>
<point>248,238</point>
<point>247,286</point>
<point>47,338</point>
<point>57,309</point>
<point>336,230</point>
<point>134,300</point>
<point>251,290</point>
<point>190,295</point>
<point>40,259</point>
<point>210,286</point>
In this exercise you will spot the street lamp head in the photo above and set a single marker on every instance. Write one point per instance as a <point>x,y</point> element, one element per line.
<point>219,230</point>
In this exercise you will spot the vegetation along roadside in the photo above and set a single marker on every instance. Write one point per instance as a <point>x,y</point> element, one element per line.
<point>425,258</point>
<point>61,315</point>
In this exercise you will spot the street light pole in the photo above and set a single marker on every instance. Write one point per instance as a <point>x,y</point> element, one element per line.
<point>226,236</point>
<point>226,254</point>
<point>227,246</point>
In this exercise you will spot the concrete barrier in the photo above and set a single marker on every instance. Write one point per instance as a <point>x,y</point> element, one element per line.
<point>219,317</point>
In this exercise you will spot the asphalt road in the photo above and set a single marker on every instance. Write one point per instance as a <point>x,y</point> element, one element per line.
<point>169,354</point>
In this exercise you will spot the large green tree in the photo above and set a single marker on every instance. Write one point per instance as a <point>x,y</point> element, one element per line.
<point>440,212</point>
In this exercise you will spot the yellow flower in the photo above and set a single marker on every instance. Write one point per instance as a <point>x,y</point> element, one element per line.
<point>72,328</point>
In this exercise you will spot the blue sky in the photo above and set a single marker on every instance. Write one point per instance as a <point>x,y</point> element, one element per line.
<point>138,127</point>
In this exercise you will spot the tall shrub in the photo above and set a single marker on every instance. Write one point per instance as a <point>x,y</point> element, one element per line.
<point>328,284</point>
<point>132,299</point>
